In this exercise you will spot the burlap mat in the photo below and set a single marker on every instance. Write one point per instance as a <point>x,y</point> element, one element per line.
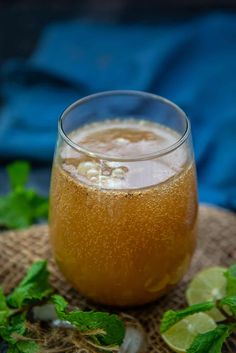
<point>216,246</point>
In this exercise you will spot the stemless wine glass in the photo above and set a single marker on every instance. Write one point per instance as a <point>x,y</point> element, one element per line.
<point>123,205</point>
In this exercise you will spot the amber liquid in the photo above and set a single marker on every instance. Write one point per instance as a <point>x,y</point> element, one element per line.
<point>123,233</point>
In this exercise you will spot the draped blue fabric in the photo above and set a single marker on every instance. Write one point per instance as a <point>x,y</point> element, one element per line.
<point>191,62</point>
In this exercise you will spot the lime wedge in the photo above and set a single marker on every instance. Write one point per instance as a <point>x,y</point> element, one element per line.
<point>180,336</point>
<point>209,284</point>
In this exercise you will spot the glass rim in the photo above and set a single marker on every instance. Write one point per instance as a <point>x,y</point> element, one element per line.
<point>162,152</point>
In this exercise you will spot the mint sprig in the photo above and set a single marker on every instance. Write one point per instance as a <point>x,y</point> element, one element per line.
<point>230,302</point>
<point>18,174</point>
<point>13,308</point>
<point>34,286</point>
<point>4,310</point>
<point>16,327</point>
<point>27,346</point>
<point>230,275</point>
<point>105,329</point>
<point>212,341</point>
<point>171,317</point>
<point>101,328</point>
<point>14,334</point>
<point>21,207</point>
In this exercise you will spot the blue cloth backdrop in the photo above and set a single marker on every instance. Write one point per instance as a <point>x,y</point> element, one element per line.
<point>191,62</point>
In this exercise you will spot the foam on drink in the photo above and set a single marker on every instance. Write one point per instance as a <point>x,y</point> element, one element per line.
<point>124,139</point>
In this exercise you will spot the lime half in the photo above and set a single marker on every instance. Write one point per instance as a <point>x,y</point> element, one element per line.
<point>180,336</point>
<point>209,284</point>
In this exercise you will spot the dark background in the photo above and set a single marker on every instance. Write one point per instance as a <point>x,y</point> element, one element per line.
<point>22,21</point>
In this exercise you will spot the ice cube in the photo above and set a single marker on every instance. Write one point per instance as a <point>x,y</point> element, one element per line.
<point>84,167</point>
<point>118,173</point>
<point>92,172</point>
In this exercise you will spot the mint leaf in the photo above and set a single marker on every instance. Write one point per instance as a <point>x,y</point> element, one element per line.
<point>12,349</point>
<point>230,301</point>
<point>21,208</point>
<point>15,210</point>
<point>4,310</point>
<point>60,304</point>
<point>230,275</point>
<point>106,329</point>
<point>39,204</point>
<point>12,334</point>
<point>33,287</point>
<point>27,346</point>
<point>212,341</point>
<point>16,326</point>
<point>171,317</point>
<point>18,173</point>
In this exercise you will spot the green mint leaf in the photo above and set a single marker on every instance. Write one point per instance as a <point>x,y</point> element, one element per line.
<point>171,317</point>
<point>107,329</point>
<point>33,287</point>
<point>230,301</point>
<point>27,346</point>
<point>16,326</point>
<point>12,349</point>
<point>39,204</point>
<point>18,173</point>
<point>4,310</point>
<point>12,334</point>
<point>60,304</point>
<point>15,210</point>
<point>21,208</point>
<point>230,275</point>
<point>212,341</point>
